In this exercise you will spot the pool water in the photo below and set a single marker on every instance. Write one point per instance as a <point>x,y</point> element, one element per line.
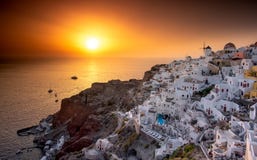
<point>160,119</point>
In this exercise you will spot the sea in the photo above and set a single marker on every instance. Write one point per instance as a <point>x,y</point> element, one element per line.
<point>24,97</point>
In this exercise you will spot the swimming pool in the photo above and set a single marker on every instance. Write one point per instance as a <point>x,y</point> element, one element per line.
<point>160,119</point>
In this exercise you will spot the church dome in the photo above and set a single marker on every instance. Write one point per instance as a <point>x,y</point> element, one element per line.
<point>229,45</point>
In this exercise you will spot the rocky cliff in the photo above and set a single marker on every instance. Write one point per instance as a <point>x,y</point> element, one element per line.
<point>89,115</point>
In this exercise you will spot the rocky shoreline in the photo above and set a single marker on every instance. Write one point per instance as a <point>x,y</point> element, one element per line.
<point>90,116</point>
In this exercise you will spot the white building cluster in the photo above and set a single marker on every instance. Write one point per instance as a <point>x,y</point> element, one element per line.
<point>209,101</point>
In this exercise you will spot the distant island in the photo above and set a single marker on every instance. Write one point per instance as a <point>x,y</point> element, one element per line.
<point>196,108</point>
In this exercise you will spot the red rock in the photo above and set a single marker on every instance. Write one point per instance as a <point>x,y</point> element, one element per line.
<point>75,146</point>
<point>89,112</point>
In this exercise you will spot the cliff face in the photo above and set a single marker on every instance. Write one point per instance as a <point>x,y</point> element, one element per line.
<point>101,98</point>
<point>89,115</point>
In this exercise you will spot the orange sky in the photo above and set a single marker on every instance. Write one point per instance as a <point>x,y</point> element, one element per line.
<point>124,28</point>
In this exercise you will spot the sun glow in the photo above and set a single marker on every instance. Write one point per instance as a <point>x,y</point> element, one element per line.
<point>92,43</point>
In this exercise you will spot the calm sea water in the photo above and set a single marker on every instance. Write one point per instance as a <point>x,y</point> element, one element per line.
<point>24,97</point>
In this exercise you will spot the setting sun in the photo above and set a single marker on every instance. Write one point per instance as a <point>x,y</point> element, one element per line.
<point>92,43</point>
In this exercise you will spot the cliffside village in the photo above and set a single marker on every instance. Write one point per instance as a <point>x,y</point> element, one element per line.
<point>210,101</point>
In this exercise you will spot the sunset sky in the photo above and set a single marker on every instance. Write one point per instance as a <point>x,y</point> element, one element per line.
<point>124,28</point>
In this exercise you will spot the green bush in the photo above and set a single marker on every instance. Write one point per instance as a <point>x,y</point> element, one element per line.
<point>189,148</point>
<point>205,92</point>
<point>175,153</point>
<point>183,152</point>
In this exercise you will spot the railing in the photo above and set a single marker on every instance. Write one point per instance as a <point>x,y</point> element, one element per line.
<point>150,135</point>
<point>204,150</point>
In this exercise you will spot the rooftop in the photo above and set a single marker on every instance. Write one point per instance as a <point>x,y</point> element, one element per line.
<point>229,45</point>
<point>208,47</point>
<point>192,80</point>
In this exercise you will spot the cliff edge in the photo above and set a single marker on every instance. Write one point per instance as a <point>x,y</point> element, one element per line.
<point>90,115</point>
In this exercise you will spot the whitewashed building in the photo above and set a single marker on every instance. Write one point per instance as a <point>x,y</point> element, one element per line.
<point>103,145</point>
<point>246,64</point>
<point>227,145</point>
<point>226,106</point>
<point>189,84</point>
<point>253,111</point>
<point>245,85</point>
<point>227,71</point>
<point>222,90</point>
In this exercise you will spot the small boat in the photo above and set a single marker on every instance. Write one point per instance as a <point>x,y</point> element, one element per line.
<point>50,91</point>
<point>74,77</point>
